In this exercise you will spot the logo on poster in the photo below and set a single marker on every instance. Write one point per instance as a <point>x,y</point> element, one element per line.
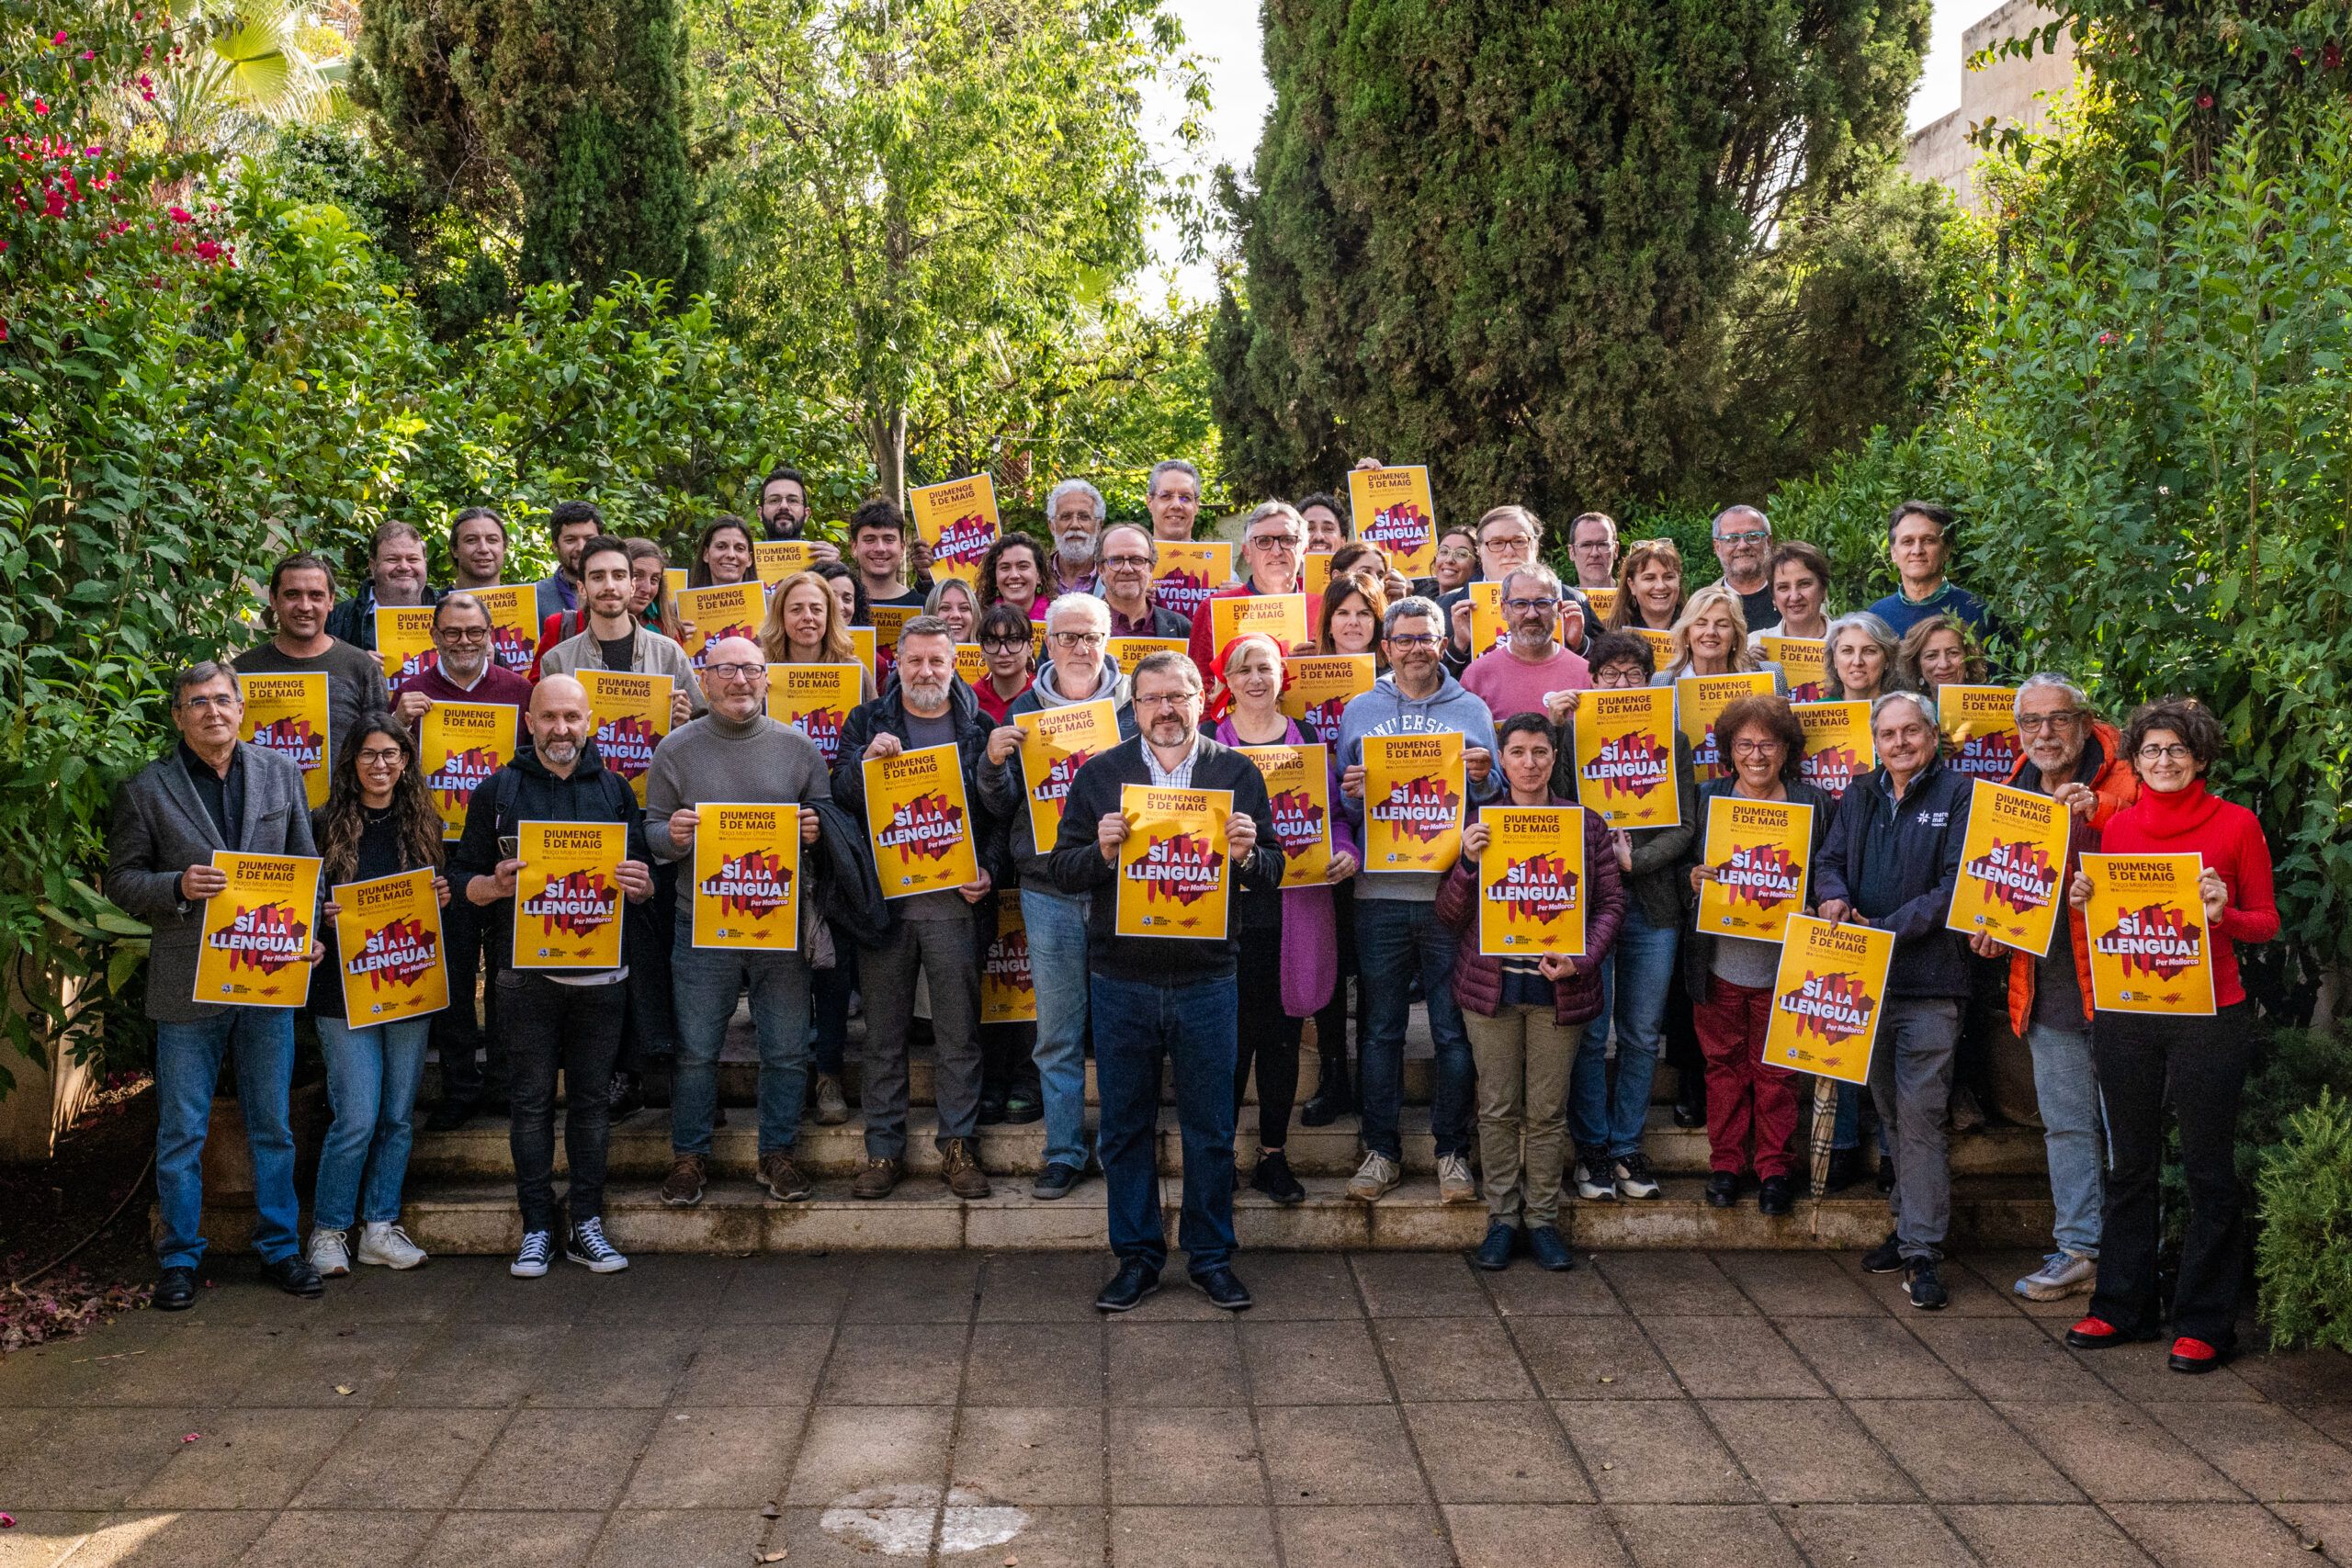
<point>1540,888</point>
<point>1181,868</point>
<point>1629,764</point>
<point>578,903</point>
<point>453,785</point>
<point>755,883</point>
<point>1427,808</point>
<point>1761,875</point>
<point>397,955</point>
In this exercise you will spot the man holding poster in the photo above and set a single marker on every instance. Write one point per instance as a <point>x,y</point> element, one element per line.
<point>555,1020</point>
<point>214,794</point>
<point>735,753</point>
<point>1155,999</point>
<point>1273,543</point>
<point>1397,928</point>
<point>301,593</point>
<point>1891,861</point>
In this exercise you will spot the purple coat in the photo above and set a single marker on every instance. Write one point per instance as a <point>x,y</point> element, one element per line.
<point>1310,932</point>
<point>1479,979</point>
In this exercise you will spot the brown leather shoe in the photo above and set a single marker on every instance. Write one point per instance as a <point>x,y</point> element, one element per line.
<point>782,1175</point>
<point>964,1176</point>
<point>876,1180</point>
<point>683,1187</point>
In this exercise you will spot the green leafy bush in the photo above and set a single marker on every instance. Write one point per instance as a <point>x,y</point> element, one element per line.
<point>2303,1255</point>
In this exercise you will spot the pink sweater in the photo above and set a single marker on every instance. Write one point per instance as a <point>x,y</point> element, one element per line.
<point>1508,684</point>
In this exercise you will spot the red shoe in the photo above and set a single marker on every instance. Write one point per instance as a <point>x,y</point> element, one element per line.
<point>2194,1356</point>
<point>2093,1334</point>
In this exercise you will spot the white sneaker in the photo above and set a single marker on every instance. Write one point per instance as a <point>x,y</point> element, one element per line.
<point>387,1245</point>
<point>329,1254</point>
<point>1374,1178</point>
<point>1592,1188</point>
<point>586,1245</point>
<point>532,1261</point>
<point>1455,1182</point>
<point>2062,1274</point>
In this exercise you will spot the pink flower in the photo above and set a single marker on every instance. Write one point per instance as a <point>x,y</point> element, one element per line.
<point>182,215</point>
<point>2204,100</point>
<point>39,107</point>
<point>60,38</point>
<point>208,248</point>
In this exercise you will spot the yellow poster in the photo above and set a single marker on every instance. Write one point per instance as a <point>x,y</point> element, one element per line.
<point>1604,605</point>
<point>513,611</point>
<point>1056,743</point>
<point>460,745</point>
<point>1391,508</point>
<point>959,521</point>
<point>2011,867</point>
<point>816,700</point>
<point>388,936</point>
<point>1624,750</point>
<point>775,560</point>
<point>747,875</point>
<point>673,579</point>
<point>920,822</point>
<point>1698,700</point>
<point>861,643</point>
<point>1983,722</point>
<point>1314,577</point>
<point>1838,745</point>
<point>1761,852</point>
<point>632,715</point>
<point>1172,871</point>
<point>971,663</point>
<point>1129,652</point>
<point>1298,785</point>
<point>1008,994</point>
<point>1803,662</point>
<point>1321,686</point>
<point>1532,882</point>
<point>288,715</point>
<point>735,609</point>
<point>1282,616</point>
<point>1828,997</point>
<point>888,620</point>
<point>1661,645</point>
<point>2150,948</point>
<point>404,640</point>
<point>258,932</point>
<point>568,896</point>
<point>1189,573</point>
<point>1488,628</point>
<point>1414,788</point>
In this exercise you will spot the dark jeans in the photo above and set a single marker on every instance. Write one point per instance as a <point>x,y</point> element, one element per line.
<point>1138,1025</point>
<point>830,990</point>
<point>1007,1063</point>
<point>2195,1066</point>
<point>1331,1018</point>
<point>577,1029</point>
<point>1394,939</point>
<point>468,940</point>
<point>1267,1038</point>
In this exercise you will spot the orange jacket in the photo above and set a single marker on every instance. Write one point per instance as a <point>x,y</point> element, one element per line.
<point>2115,785</point>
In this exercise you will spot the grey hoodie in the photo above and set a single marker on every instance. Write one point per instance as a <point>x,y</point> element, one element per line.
<point>1385,710</point>
<point>1000,785</point>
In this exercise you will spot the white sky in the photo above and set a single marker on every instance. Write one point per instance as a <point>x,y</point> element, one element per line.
<point>1225,33</point>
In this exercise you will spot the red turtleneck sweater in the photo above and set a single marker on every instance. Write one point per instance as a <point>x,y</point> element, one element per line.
<point>2191,822</point>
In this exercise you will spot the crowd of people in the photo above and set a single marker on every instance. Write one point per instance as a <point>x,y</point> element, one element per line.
<point>1544,1068</point>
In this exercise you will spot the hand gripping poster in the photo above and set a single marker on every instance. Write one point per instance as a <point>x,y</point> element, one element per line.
<point>1392,508</point>
<point>1189,573</point>
<point>1056,743</point>
<point>258,932</point>
<point>1699,701</point>
<point>747,875</point>
<point>1838,745</point>
<point>957,520</point>
<point>2011,867</point>
<point>404,640</point>
<point>1173,875</point>
<point>388,937</point>
<point>733,609</point>
<point>2151,950</point>
<point>513,611</point>
<point>1803,662</point>
<point>460,746</point>
<point>1983,722</point>
<point>815,699</point>
<point>288,715</point>
<point>1532,882</point>
<point>1298,787</point>
<point>1625,751</point>
<point>920,822</point>
<point>1828,997</point>
<point>1759,851</point>
<point>568,896</point>
<point>1414,790</point>
<point>1321,686</point>
<point>632,715</point>
<point>1008,992</point>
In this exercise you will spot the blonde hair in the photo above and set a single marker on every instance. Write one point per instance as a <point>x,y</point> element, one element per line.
<point>1639,554</point>
<point>1742,659</point>
<point>833,648</point>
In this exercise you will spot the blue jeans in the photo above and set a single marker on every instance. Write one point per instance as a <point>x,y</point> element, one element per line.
<point>1138,1024</point>
<point>2065,1086</point>
<point>187,1065</point>
<point>1057,968</point>
<point>1394,936</point>
<point>372,1074</point>
<point>1607,1123</point>
<point>704,984</point>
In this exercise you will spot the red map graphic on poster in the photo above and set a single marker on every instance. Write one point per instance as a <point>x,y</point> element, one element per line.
<point>1761,875</point>
<point>754,883</point>
<point>454,784</point>
<point>927,825</point>
<point>1298,821</point>
<point>1180,869</point>
<point>2020,875</point>
<point>265,940</point>
<point>1426,808</point>
<point>1540,887</point>
<point>396,955</point>
<point>1834,1006</point>
<point>2153,939</point>
<point>1630,764</point>
<point>292,738</point>
<point>579,903</point>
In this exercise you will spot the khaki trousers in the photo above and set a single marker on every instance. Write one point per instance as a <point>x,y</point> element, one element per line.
<point>1523,1058</point>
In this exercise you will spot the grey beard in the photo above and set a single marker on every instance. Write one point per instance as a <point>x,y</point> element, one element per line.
<point>927,696</point>
<point>564,753</point>
<point>1075,550</point>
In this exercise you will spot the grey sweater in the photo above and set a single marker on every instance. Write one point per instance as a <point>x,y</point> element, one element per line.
<point>712,757</point>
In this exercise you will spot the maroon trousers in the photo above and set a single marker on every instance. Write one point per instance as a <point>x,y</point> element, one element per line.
<point>1746,1099</point>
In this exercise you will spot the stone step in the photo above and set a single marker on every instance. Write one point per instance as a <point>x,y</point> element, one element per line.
<point>640,1148</point>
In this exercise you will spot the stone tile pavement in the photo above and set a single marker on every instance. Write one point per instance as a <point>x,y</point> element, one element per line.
<point>1379,1410</point>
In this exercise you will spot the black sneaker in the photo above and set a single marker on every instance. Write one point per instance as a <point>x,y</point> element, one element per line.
<point>1494,1253</point>
<point>1135,1281</point>
<point>628,1095</point>
<point>1722,1189</point>
<point>1886,1258</point>
<point>1055,1181</point>
<point>1274,1179</point>
<point>1927,1292</point>
<point>1633,1178</point>
<point>1776,1197</point>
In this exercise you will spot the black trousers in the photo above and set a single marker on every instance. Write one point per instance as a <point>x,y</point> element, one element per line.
<point>471,942</point>
<point>576,1028</point>
<point>1266,1038</point>
<point>1331,1019</point>
<point>650,1027</point>
<point>2196,1066</point>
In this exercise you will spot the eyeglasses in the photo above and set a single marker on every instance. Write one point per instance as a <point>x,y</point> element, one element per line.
<point>1129,563</point>
<point>2174,753</point>
<point>1521,607</point>
<point>1413,639</point>
<point>1002,644</point>
<point>1508,541</point>
<point>1288,543</point>
<point>1602,545</point>
<point>463,634</point>
<point>223,704</point>
<point>1075,640</point>
<point>2034,724</point>
<point>389,758</point>
<point>734,671</point>
<point>1752,536</point>
<point>1755,748</point>
<point>1164,699</point>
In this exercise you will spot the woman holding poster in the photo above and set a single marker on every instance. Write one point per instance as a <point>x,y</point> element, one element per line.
<point>1526,1015</point>
<point>1649,588</point>
<point>1711,639</point>
<point>2196,1062</point>
<point>1291,955</point>
<point>378,822</point>
<point>807,625</point>
<point>1751,1107</point>
<point>1347,619</point>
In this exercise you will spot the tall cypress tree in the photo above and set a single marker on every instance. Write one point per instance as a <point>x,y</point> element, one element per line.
<point>1507,238</point>
<point>565,120</point>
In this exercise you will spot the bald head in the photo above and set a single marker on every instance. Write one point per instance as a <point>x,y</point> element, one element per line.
<point>561,722</point>
<point>735,678</point>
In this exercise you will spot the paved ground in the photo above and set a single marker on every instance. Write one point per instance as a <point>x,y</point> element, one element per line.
<point>1660,1408</point>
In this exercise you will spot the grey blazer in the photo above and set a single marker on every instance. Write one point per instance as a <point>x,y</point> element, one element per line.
<point>161,829</point>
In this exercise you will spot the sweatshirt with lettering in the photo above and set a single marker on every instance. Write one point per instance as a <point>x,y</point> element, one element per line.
<point>1384,711</point>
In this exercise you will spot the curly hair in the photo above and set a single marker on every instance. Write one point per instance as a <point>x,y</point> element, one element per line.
<point>1005,544</point>
<point>2185,716</point>
<point>1770,715</point>
<point>344,816</point>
